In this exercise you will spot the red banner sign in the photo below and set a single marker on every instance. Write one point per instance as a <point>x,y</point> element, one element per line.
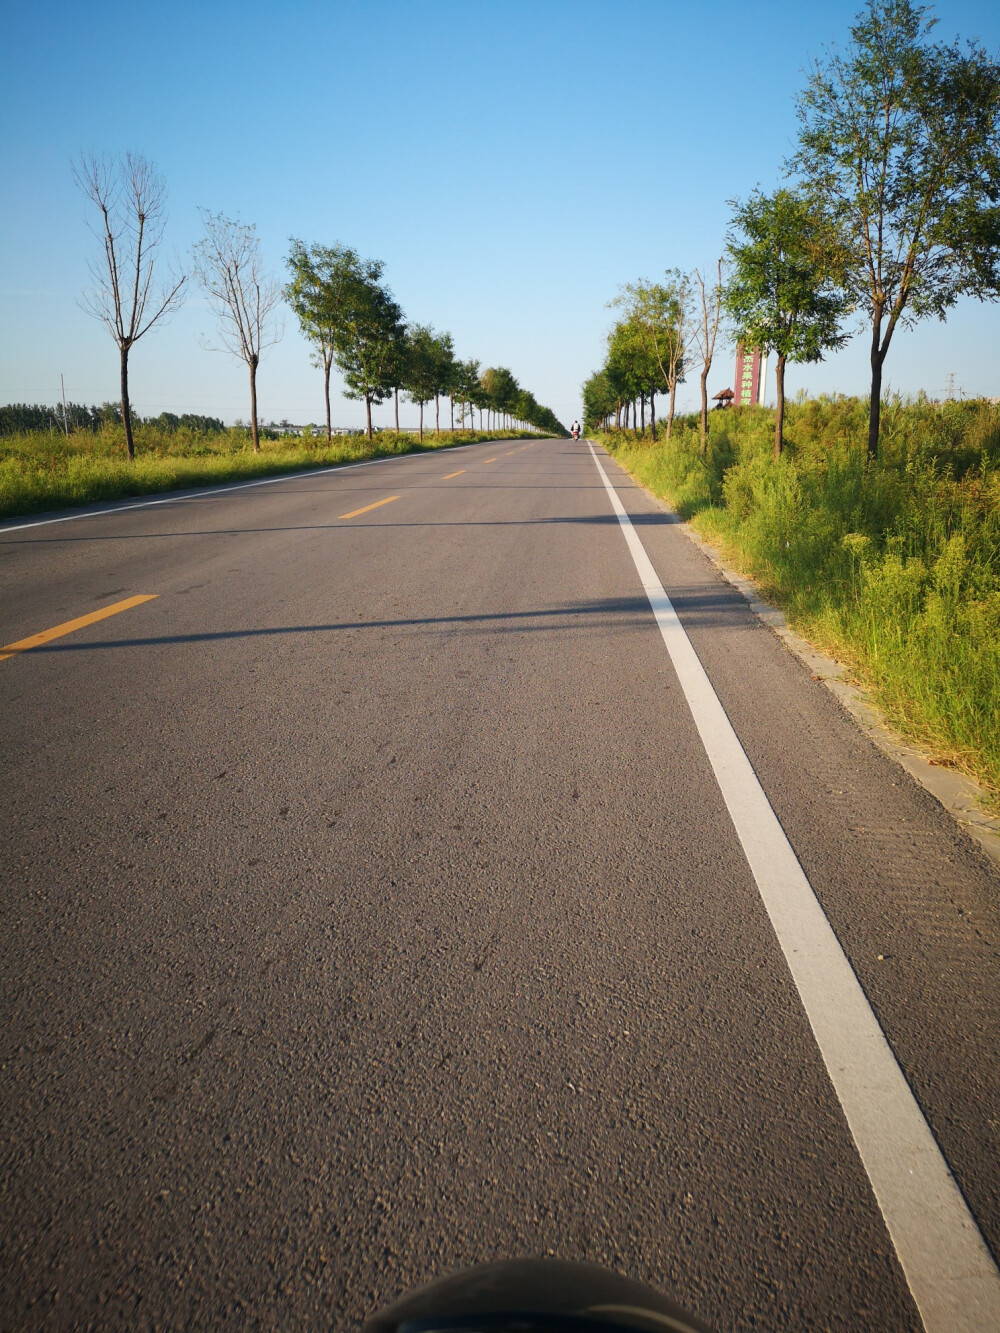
<point>748,386</point>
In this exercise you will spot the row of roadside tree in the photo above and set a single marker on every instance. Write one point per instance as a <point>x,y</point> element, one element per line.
<point>352,320</point>
<point>343,306</point>
<point>17,418</point>
<point>891,213</point>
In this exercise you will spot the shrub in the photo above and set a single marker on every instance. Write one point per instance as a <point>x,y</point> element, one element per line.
<point>896,568</point>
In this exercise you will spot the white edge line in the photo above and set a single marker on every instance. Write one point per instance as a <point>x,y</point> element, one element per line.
<point>191,493</point>
<point>948,1267</point>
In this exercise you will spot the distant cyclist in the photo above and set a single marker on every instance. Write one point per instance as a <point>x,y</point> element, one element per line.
<point>575,428</point>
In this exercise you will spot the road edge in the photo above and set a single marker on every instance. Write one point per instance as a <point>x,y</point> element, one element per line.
<point>959,794</point>
<point>149,499</point>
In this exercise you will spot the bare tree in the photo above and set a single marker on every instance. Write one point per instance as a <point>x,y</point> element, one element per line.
<point>229,267</point>
<point>705,332</point>
<point>130,195</point>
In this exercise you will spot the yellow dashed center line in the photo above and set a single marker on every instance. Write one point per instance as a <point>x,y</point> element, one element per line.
<point>449,475</point>
<point>57,631</point>
<point>368,508</point>
<point>489,460</point>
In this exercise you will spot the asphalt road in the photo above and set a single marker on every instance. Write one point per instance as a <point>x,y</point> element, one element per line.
<point>371,908</point>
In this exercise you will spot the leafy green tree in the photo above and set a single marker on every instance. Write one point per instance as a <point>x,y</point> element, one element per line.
<point>501,389</point>
<point>781,295</point>
<point>130,197</point>
<point>509,390</point>
<point>422,370</point>
<point>527,409</point>
<point>245,298</point>
<point>631,368</point>
<point>467,387</point>
<point>620,368</point>
<point>367,344</point>
<point>444,360</point>
<point>16,417</point>
<point>617,379</point>
<point>900,139</point>
<point>490,381</point>
<point>480,396</point>
<point>323,285</point>
<point>628,348</point>
<point>599,401</point>
<point>396,366</point>
<point>660,314</point>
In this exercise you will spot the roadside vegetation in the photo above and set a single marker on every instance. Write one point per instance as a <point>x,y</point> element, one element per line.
<point>343,307</point>
<point>890,216</point>
<point>895,569</point>
<point>42,470</point>
<point>874,523</point>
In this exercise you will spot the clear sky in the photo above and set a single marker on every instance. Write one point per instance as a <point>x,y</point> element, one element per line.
<point>511,161</point>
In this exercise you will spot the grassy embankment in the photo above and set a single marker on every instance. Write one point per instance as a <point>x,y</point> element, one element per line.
<point>41,470</point>
<point>895,570</point>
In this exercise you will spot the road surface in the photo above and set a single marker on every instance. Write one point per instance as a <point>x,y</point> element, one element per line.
<point>374,905</point>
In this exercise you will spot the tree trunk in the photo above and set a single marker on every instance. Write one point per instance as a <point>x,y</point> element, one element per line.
<point>652,412</point>
<point>451,403</point>
<point>253,406</point>
<point>437,414</point>
<point>326,394</point>
<point>704,409</point>
<point>779,411</point>
<point>395,394</point>
<point>670,407</point>
<point>421,421</point>
<point>368,414</point>
<point>642,407</point>
<point>126,408</point>
<point>875,402</point>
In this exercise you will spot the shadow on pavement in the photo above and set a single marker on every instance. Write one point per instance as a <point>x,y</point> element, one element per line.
<point>698,608</point>
<point>656,519</point>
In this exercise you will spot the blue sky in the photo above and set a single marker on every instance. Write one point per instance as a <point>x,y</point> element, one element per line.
<point>512,164</point>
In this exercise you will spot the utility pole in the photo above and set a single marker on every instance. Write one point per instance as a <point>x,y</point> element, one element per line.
<point>951,385</point>
<point>62,381</point>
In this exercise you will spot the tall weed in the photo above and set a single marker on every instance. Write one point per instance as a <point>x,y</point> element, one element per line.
<point>41,470</point>
<point>895,568</point>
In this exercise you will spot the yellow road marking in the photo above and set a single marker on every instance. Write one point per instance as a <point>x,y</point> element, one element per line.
<point>509,452</point>
<point>57,631</point>
<point>449,475</point>
<point>367,509</point>
<point>489,460</point>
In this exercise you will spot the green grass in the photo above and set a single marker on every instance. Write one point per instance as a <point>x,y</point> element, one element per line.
<point>42,471</point>
<point>895,569</point>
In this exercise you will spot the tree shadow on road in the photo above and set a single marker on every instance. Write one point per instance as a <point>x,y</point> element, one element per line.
<point>698,607</point>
